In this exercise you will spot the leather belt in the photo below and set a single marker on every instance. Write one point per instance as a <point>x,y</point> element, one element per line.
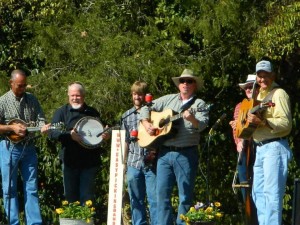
<point>176,149</point>
<point>261,143</point>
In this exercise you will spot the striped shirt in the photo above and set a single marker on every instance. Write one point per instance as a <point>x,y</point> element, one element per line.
<point>235,117</point>
<point>135,152</point>
<point>187,135</point>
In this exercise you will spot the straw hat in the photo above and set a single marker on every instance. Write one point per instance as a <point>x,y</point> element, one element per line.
<point>250,79</point>
<point>187,73</point>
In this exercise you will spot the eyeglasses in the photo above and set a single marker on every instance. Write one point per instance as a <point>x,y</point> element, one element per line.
<point>188,81</point>
<point>248,87</point>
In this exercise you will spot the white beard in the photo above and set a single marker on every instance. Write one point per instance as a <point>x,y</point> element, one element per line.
<point>76,106</point>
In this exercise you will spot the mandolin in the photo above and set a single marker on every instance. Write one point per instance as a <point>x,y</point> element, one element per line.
<point>14,138</point>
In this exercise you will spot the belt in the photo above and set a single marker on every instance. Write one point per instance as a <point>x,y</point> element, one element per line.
<point>176,149</point>
<point>261,143</point>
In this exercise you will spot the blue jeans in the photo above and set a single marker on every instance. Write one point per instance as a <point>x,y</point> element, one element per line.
<point>270,174</point>
<point>25,159</point>
<point>141,182</point>
<point>79,184</point>
<point>175,167</point>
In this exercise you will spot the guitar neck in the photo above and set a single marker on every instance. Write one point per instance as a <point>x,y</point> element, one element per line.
<point>258,108</point>
<point>175,117</point>
<point>33,129</point>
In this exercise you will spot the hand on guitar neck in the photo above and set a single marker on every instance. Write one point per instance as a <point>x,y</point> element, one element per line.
<point>17,130</point>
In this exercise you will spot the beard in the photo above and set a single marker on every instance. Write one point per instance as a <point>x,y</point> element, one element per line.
<point>77,106</point>
<point>137,103</point>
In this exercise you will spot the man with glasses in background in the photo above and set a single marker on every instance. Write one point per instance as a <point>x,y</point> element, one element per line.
<point>246,153</point>
<point>241,143</point>
<point>178,154</point>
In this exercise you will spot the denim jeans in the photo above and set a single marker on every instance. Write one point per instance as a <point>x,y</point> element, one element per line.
<point>23,158</point>
<point>79,184</point>
<point>142,182</point>
<point>270,174</point>
<point>175,167</point>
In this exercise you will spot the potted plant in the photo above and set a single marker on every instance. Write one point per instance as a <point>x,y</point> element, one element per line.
<point>76,214</point>
<point>203,214</point>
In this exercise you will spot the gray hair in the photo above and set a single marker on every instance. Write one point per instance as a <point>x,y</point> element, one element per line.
<point>78,86</point>
<point>14,74</point>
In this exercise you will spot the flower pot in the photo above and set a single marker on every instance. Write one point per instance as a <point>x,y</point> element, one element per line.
<point>67,221</point>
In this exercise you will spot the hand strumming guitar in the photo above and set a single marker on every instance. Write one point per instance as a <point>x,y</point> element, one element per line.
<point>149,127</point>
<point>188,115</point>
<point>19,129</point>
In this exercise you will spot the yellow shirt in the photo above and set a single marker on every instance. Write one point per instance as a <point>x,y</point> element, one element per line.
<point>278,117</point>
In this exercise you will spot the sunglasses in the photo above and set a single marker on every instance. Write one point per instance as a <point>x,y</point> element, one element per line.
<point>248,87</point>
<point>188,81</point>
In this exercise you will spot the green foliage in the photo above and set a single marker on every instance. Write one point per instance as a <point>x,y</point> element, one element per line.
<point>280,36</point>
<point>109,44</point>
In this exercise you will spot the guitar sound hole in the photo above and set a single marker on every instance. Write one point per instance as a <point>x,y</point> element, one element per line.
<point>163,122</point>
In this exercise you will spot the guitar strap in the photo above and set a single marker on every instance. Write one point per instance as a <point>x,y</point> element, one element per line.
<point>269,97</point>
<point>188,104</point>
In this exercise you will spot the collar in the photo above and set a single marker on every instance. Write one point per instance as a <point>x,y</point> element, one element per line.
<point>263,93</point>
<point>13,96</point>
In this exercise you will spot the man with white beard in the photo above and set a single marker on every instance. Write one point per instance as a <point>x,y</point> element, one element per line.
<point>80,163</point>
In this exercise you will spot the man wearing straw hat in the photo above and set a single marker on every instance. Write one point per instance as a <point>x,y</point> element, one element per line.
<point>240,143</point>
<point>178,155</point>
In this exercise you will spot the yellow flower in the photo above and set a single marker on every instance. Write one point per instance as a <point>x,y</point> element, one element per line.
<point>217,204</point>
<point>218,214</point>
<point>75,210</point>
<point>65,202</point>
<point>210,217</point>
<point>209,209</point>
<point>202,212</point>
<point>59,211</point>
<point>89,203</point>
<point>192,209</point>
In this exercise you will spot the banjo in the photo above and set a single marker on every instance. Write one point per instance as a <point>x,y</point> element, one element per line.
<point>90,129</point>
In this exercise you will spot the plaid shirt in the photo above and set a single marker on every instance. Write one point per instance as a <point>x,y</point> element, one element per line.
<point>26,108</point>
<point>135,152</point>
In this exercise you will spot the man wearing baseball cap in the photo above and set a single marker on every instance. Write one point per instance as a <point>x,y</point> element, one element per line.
<point>272,150</point>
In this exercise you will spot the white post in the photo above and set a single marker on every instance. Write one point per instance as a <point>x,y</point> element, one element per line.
<point>116,178</point>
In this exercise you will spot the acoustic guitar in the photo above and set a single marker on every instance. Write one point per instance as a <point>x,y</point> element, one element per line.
<point>15,138</point>
<point>163,122</point>
<point>245,129</point>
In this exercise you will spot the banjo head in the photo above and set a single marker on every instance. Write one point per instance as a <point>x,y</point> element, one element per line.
<point>89,128</point>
